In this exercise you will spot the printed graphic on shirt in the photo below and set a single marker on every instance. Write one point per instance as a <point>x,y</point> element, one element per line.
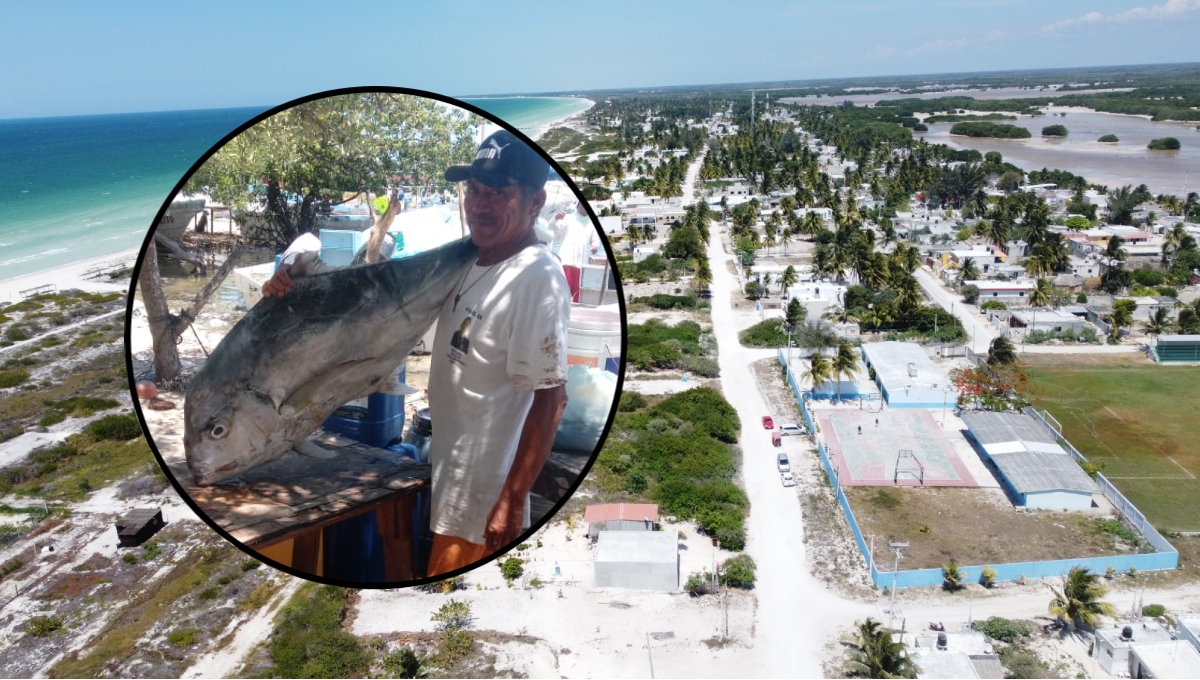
<point>460,342</point>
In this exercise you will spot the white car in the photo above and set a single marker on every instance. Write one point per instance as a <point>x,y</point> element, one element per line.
<point>791,429</point>
<point>788,479</point>
<point>782,461</point>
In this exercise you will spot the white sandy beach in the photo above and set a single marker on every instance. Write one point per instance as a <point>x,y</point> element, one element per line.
<point>72,275</point>
<point>536,133</point>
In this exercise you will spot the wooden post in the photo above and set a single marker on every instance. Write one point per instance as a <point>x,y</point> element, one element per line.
<point>166,356</point>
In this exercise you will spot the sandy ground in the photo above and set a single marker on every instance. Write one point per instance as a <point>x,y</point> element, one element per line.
<point>576,118</point>
<point>248,631</point>
<point>71,276</point>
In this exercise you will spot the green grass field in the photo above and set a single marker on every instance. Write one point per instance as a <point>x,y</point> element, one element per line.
<point>1142,422</point>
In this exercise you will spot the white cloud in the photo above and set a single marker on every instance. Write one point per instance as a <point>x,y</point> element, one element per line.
<point>957,43</point>
<point>1167,10</point>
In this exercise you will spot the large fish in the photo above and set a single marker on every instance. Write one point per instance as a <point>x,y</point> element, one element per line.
<point>293,360</point>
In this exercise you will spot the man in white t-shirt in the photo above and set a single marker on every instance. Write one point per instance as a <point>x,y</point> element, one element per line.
<point>499,361</point>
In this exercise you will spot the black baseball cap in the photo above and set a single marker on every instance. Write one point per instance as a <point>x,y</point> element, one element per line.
<point>503,160</point>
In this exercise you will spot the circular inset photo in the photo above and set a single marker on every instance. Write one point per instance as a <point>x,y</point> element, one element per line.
<point>375,337</point>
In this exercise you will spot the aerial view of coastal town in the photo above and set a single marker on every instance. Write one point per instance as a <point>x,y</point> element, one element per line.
<point>891,375</point>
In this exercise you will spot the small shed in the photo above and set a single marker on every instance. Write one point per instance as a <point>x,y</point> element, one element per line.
<point>620,517</point>
<point>637,560</point>
<point>138,525</point>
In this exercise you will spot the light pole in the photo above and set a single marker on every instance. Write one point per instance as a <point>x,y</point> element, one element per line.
<point>895,548</point>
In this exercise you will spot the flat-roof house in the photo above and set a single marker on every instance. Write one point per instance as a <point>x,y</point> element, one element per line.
<point>907,377</point>
<point>1003,291</point>
<point>637,560</point>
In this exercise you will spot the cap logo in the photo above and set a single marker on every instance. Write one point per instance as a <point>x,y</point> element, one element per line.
<point>493,151</point>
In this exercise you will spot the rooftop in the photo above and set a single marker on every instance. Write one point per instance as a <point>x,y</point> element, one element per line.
<point>1176,659</point>
<point>621,511</point>
<point>1028,456</point>
<point>638,546</point>
<point>891,362</point>
<point>998,428</point>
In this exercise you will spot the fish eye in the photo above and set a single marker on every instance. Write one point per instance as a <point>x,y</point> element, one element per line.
<point>218,431</point>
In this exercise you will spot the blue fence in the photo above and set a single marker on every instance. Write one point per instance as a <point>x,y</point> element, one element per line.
<point>1166,558</point>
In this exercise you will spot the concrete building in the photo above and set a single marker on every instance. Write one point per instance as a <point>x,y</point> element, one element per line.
<point>637,560</point>
<point>907,377</point>
<point>1038,472</point>
<point>1004,291</point>
<point>620,517</point>
<point>1144,650</point>
<point>1189,629</point>
<point>817,297</point>
<point>1026,320</point>
<point>954,655</point>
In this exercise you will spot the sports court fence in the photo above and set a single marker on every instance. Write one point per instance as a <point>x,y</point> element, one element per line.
<point>1167,556</point>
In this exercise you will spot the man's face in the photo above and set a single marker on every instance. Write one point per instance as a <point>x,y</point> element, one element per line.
<point>497,217</point>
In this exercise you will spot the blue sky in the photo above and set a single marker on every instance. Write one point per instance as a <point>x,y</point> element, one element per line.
<point>74,58</point>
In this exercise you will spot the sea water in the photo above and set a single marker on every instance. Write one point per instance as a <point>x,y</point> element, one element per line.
<point>86,186</point>
<point>79,187</point>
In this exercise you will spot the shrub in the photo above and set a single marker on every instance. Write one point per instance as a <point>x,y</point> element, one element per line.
<point>13,378</point>
<point>309,641</point>
<point>183,637</point>
<point>17,333</point>
<point>456,645</point>
<point>129,558</point>
<point>1164,144</point>
<point>631,401</point>
<point>662,301</point>
<point>403,664</point>
<point>512,568</point>
<point>993,304</point>
<point>10,566</point>
<point>701,366</point>
<point>738,572</point>
<point>1108,138</point>
<point>986,129</point>
<point>987,577</point>
<point>152,549</point>
<point>209,594</point>
<point>453,615</point>
<point>250,564</point>
<point>52,417</point>
<point>1081,298</point>
<point>732,538</point>
<point>696,582</point>
<point>970,293</point>
<point>1147,277</point>
<point>1054,131</point>
<point>1154,610</point>
<point>1078,223</point>
<point>44,626</point>
<point>769,333</point>
<point>1114,526</point>
<point>118,427</point>
<point>1005,630</point>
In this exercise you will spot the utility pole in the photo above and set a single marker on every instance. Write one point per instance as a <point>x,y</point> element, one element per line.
<point>895,548</point>
<point>650,654</point>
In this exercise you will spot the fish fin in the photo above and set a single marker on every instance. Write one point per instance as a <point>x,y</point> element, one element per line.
<point>303,395</point>
<point>393,386</point>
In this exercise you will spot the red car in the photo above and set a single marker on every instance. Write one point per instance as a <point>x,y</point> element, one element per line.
<point>768,424</point>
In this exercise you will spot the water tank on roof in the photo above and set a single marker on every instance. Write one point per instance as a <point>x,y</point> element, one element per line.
<point>1127,633</point>
<point>912,369</point>
<point>941,641</point>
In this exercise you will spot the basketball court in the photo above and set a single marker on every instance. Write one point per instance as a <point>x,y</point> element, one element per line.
<point>892,447</point>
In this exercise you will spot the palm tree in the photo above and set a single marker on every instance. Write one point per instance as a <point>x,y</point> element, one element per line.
<point>839,315</point>
<point>820,370</point>
<point>703,276</point>
<point>952,576</point>
<point>1159,322</point>
<point>1040,296</point>
<point>634,234</point>
<point>875,654</point>
<point>1113,251</point>
<point>968,272</point>
<point>844,364</point>
<point>1079,600</point>
<point>1121,316</point>
<point>788,278</point>
<point>1002,352</point>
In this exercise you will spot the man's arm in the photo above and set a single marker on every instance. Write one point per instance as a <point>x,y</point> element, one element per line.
<point>537,437</point>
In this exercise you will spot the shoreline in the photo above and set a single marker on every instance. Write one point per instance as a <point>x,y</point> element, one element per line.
<point>71,275</point>
<point>535,133</point>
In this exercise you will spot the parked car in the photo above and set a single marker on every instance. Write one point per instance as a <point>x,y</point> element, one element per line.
<point>787,479</point>
<point>791,429</point>
<point>782,462</point>
<point>768,423</point>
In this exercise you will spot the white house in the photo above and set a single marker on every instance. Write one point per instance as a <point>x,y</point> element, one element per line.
<point>817,297</point>
<point>1004,291</point>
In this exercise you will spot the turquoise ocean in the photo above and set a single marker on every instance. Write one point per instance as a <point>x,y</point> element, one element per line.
<point>79,187</point>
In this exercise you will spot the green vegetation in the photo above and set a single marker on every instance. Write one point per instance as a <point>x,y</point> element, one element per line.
<point>987,577</point>
<point>10,565</point>
<point>1109,139</point>
<point>1154,610</point>
<point>1114,526</point>
<point>116,427</point>
<point>1021,662</point>
<point>184,637</point>
<point>677,453</point>
<point>512,568</point>
<point>1132,419</point>
<point>984,129</point>
<point>952,576</point>
<point>455,613</point>
<point>1054,131</point>
<point>403,664</point>
<point>769,333</point>
<point>662,301</point>
<point>655,345</point>
<point>1005,630</point>
<point>1078,602</point>
<point>309,642</point>
<point>1164,144</point>
<point>873,653</point>
<point>654,266</point>
<point>12,378</point>
<point>738,572</point>
<point>44,626</point>
<point>1087,333</point>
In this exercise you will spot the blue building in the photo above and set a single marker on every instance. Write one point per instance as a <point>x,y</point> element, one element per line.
<point>907,377</point>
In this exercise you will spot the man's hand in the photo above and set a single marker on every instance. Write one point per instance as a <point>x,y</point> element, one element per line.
<point>504,523</point>
<point>278,284</point>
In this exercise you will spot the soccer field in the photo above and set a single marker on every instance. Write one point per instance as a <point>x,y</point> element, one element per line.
<point>1142,422</point>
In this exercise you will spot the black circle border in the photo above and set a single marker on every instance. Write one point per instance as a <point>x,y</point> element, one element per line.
<point>133,287</point>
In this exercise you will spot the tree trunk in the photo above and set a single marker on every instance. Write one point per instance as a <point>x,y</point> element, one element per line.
<point>179,252</point>
<point>382,224</point>
<point>166,357</point>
